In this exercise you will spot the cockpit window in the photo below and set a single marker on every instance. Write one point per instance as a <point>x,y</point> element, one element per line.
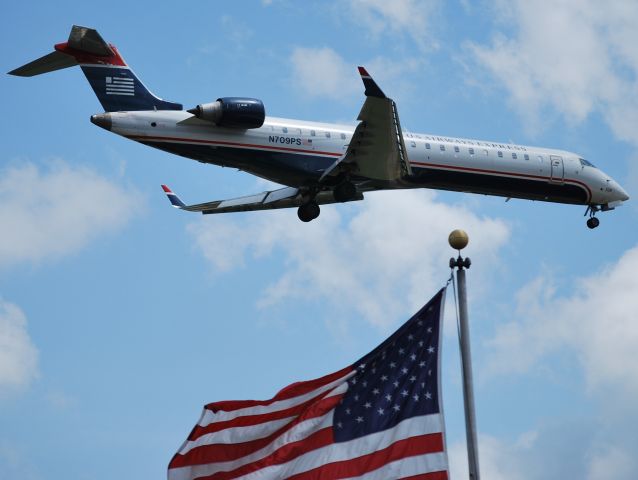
<point>585,163</point>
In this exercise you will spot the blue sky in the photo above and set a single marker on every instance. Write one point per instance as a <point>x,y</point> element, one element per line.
<point>120,317</point>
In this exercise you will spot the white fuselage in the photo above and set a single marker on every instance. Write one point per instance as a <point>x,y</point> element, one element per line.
<point>292,152</point>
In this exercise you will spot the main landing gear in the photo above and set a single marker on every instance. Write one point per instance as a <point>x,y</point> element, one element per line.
<point>308,211</point>
<point>592,221</point>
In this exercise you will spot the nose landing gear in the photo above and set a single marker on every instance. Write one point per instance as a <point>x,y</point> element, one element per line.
<point>592,221</point>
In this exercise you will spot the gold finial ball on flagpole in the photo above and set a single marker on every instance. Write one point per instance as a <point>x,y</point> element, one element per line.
<point>458,239</point>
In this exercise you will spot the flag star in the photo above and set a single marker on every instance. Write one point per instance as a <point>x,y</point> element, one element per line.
<point>388,397</point>
<point>413,378</point>
<point>421,343</point>
<point>428,396</point>
<point>396,408</point>
<point>393,365</point>
<point>362,366</point>
<point>354,381</point>
<point>374,370</point>
<point>429,330</point>
<point>376,391</point>
<point>421,364</point>
<point>367,405</point>
<point>384,378</point>
<point>356,398</point>
<point>416,397</point>
<point>396,384</point>
<point>429,372</point>
<point>419,323</point>
<point>401,351</point>
<point>364,384</point>
<point>422,384</point>
<point>405,393</point>
<point>413,357</point>
<point>339,425</point>
<point>381,411</point>
<point>410,337</point>
<point>359,419</point>
<point>404,370</point>
<point>431,350</point>
<point>348,411</point>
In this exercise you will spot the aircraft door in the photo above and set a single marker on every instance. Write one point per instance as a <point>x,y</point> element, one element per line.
<point>557,169</point>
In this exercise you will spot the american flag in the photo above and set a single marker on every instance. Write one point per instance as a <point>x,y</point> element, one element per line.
<point>377,419</point>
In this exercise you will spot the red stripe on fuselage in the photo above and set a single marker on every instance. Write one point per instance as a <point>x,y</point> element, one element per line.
<point>141,138</point>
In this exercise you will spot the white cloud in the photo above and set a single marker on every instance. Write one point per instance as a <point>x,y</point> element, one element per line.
<point>52,212</point>
<point>382,262</point>
<point>322,72</point>
<point>18,355</point>
<point>612,462</point>
<point>577,56</point>
<point>399,17</point>
<point>597,322</point>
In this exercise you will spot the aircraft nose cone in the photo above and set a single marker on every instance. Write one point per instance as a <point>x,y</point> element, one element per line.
<point>102,120</point>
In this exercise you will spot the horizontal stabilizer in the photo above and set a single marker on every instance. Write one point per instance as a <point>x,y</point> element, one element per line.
<point>49,63</point>
<point>287,197</point>
<point>87,40</point>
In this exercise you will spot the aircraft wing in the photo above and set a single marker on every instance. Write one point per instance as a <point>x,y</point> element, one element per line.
<point>286,197</point>
<point>377,150</point>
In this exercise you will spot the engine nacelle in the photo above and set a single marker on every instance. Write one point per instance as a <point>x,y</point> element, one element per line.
<point>232,112</point>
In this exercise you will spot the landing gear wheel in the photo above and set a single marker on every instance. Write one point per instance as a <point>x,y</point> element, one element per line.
<point>308,212</point>
<point>593,222</point>
<point>344,191</point>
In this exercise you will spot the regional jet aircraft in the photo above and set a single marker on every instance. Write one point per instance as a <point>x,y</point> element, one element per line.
<point>321,163</point>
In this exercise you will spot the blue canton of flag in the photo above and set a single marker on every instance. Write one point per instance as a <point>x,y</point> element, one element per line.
<point>398,380</point>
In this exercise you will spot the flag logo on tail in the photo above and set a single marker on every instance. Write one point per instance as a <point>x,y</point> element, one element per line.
<point>120,86</point>
<point>376,419</point>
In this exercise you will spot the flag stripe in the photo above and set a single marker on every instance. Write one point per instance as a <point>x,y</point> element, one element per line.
<point>300,429</point>
<point>270,458</point>
<point>248,420</point>
<point>357,466</point>
<point>411,468</point>
<point>289,396</point>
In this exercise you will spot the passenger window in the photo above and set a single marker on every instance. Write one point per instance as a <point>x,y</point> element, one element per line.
<point>343,136</point>
<point>413,144</point>
<point>486,152</point>
<point>298,130</point>
<point>471,151</point>
<point>526,157</point>
<point>443,148</point>
<point>456,149</point>
<point>327,134</point>
<point>500,154</point>
<point>285,129</point>
<point>514,156</point>
<point>427,145</point>
<point>312,133</point>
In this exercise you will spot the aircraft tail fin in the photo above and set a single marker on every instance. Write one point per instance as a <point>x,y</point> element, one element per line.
<point>114,83</point>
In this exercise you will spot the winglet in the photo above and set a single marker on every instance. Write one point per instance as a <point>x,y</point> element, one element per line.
<point>372,89</point>
<point>174,199</point>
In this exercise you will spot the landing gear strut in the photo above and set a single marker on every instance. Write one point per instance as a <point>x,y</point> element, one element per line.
<point>308,211</point>
<point>592,221</point>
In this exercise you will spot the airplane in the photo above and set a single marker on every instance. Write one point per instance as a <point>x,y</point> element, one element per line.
<point>321,163</point>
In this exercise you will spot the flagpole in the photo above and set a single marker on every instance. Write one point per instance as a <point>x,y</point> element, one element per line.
<point>458,240</point>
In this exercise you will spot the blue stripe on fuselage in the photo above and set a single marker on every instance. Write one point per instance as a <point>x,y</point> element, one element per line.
<point>286,168</point>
